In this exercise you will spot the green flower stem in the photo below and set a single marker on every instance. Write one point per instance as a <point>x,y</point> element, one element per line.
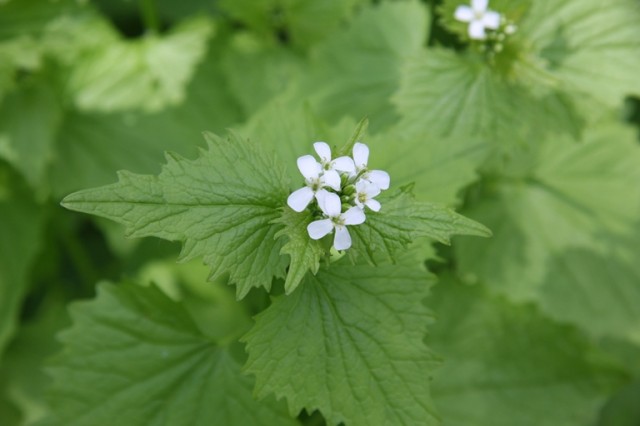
<point>149,15</point>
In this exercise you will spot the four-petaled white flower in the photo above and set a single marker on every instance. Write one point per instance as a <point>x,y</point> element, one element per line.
<point>361,157</point>
<point>331,206</point>
<point>365,191</point>
<point>341,164</point>
<point>479,18</point>
<point>316,179</point>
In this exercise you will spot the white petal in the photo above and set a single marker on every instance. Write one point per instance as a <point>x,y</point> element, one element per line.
<point>353,216</point>
<point>329,203</point>
<point>491,20</point>
<point>373,205</point>
<point>331,178</point>
<point>476,30</point>
<point>323,150</point>
<point>380,178</point>
<point>344,164</point>
<point>319,228</point>
<point>479,5</point>
<point>300,199</point>
<point>372,190</point>
<point>309,167</point>
<point>360,155</point>
<point>342,240</point>
<point>464,14</point>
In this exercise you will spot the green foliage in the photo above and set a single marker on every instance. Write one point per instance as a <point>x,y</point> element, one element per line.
<point>522,133</point>
<point>359,363</point>
<point>404,220</point>
<point>141,346</point>
<point>521,363</point>
<point>220,205</point>
<point>305,254</point>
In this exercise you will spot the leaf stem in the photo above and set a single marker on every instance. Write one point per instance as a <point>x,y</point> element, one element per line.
<point>149,15</point>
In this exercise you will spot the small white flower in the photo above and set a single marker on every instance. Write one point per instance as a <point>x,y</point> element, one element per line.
<point>379,178</point>
<point>479,18</point>
<point>341,164</point>
<point>316,178</point>
<point>365,191</point>
<point>330,205</point>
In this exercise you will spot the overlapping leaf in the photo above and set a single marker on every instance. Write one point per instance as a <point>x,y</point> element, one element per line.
<point>348,342</point>
<point>21,224</point>
<point>152,365</point>
<point>507,365</point>
<point>150,73</point>
<point>569,226</point>
<point>305,253</point>
<point>403,220</point>
<point>444,93</point>
<point>29,147</point>
<point>355,71</point>
<point>220,205</point>
<point>593,48</point>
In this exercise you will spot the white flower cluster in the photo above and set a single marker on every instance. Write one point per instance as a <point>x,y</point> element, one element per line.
<point>342,187</point>
<point>480,19</point>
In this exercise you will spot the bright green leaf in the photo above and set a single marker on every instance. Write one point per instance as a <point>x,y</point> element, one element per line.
<point>508,365</point>
<point>355,71</point>
<point>302,22</point>
<point>446,94</point>
<point>135,355</point>
<point>27,146</point>
<point>21,226</point>
<point>92,146</point>
<point>349,343</point>
<point>564,232</point>
<point>592,48</point>
<point>439,167</point>
<point>149,73</point>
<point>304,252</point>
<point>220,206</point>
<point>403,220</point>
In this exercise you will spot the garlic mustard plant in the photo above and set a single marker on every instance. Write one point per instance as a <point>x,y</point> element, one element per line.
<point>479,18</point>
<point>342,187</point>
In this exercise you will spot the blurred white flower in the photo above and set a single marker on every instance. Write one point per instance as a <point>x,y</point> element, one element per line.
<point>479,18</point>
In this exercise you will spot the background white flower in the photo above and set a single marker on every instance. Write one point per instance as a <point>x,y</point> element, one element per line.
<point>316,178</point>
<point>331,206</point>
<point>341,164</point>
<point>479,18</point>
<point>379,178</point>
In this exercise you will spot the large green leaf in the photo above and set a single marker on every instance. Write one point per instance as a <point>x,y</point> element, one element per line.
<point>591,47</point>
<point>300,22</point>
<point>403,220</point>
<point>508,365</point>
<point>355,71</point>
<point>135,355</point>
<point>219,205</point>
<point>565,233</point>
<point>150,73</point>
<point>348,342</point>
<point>21,223</point>
<point>449,94</point>
<point>91,147</point>
<point>27,146</point>
<point>304,252</point>
<point>439,167</point>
